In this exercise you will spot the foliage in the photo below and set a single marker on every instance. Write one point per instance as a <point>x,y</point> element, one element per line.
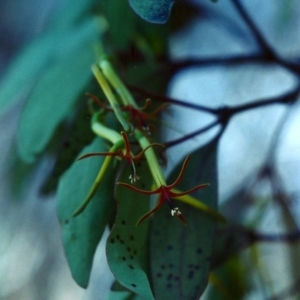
<point>110,153</point>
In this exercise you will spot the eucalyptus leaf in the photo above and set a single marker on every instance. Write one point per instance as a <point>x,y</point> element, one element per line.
<point>180,255</point>
<point>154,11</point>
<point>127,242</point>
<point>56,92</point>
<point>82,234</point>
<point>75,137</point>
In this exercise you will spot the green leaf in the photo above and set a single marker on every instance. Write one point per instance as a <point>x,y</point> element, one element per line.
<point>123,296</point>
<point>126,242</point>
<point>56,91</point>
<point>231,281</point>
<point>121,32</point>
<point>180,255</point>
<point>233,238</point>
<point>70,13</point>
<point>82,234</point>
<point>77,136</point>
<point>35,60</point>
<point>154,11</point>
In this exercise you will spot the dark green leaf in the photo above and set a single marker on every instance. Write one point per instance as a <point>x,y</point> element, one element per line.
<point>233,238</point>
<point>123,296</point>
<point>154,11</point>
<point>126,242</point>
<point>180,255</point>
<point>231,281</point>
<point>75,138</point>
<point>120,31</point>
<point>82,234</point>
<point>55,93</point>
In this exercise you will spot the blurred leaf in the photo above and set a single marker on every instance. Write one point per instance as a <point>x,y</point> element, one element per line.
<point>234,239</point>
<point>180,255</point>
<point>70,13</point>
<point>121,32</point>
<point>123,296</point>
<point>55,93</point>
<point>126,242</point>
<point>154,11</point>
<point>33,60</point>
<point>82,234</point>
<point>23,71</point>
<point>230,282</point>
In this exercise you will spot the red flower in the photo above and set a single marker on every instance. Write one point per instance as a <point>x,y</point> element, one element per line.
<point>166,194</point>
<point>126,154</point>
<point>137,116</point>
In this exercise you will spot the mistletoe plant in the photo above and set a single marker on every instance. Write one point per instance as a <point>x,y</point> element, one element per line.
<point>113,180</point>
<point>126,243</point>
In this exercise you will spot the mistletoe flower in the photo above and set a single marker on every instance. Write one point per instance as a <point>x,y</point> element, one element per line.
<point>137,117</point>
<point>125,154</point>
<point>166,194</point>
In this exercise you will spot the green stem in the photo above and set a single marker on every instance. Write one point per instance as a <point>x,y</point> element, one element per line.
<point>103,131</point>
<point>150,155</point>
<point>115,81</point>
<point>111,98</point>
<point>118,145</point>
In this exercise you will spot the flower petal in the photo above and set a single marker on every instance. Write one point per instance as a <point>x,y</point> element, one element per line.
<point>157,191</point>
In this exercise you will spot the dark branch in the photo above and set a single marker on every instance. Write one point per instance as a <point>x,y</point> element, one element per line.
<point>178,65</point>
<point>266,48</point>
<point>190,135</point>
<point>166,99</point>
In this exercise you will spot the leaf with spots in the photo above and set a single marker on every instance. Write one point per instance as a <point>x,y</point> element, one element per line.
<point>126,243</point>
<point>82,234</point>
<point>180,255</point>
<point>76,135</point>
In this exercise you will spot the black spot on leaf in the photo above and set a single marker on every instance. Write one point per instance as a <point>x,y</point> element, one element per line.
<point>112,240</point>
<point>131,267</point>
<point>134,285</point>
<point>158,275</point>
<point>191,275</point>
<point>124,258</point>
<point>123,222</point>
<point>199,250</point>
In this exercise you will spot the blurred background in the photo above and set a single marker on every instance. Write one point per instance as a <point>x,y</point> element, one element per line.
<point>32,263</point>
